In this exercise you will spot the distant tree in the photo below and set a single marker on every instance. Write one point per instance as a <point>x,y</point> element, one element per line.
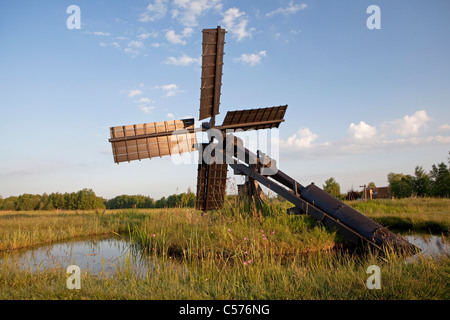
<point>440,180</point>
<point>188,199</point>
<point>401,185</point>
<point>46,203</point>
<point>332,187</point>
<point>9,204</point>
<point>172,201</point>
<point>144,201</point>
<point>371,185</point>
<point>86,199</point>
<point>28,202</point>
<point>128,202</point>
<point>421,182</point>
<point>57,201</point>
<point>161,203</point>
<point>71,201</point>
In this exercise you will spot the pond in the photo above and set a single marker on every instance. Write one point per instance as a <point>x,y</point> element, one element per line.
<point>109,255</point>
<point>98,255</point>
<point>430,245</point>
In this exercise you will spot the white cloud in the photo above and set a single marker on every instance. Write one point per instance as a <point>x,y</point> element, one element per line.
<point>170,115</point>
<point>131,52</point>
<point>303,139</point>
<point>144,103</point>
<point>187,32</point>
<point>252,59</point>
<point>154,11</point>
<point>187,12</point>
<point>115,44</point>
<point>174,38</point>
<point>362,131</point>
<point>392,136</point>
<point>235,23</point>
<point>143,36</point>
<point>290,9</point>
<point>410,125</point>
<point>135,44</point>
<point>146,35</point>
<point>430,139</point>
<point>169,89</point>
<point>146,109</point>
<point>102,44</point>
<point>444,127</point>
<point>134,48</point>
<point>102,34</point>
<point>184,60</point>
<point>133,93</point>
<point>145,100</point>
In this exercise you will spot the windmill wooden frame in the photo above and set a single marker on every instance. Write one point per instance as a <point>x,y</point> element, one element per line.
<point>157,139</point>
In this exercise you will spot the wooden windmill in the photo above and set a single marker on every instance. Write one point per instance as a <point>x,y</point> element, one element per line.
<point>157,139</point>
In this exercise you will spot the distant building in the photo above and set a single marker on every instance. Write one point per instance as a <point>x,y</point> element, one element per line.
<point>353,195</point>
<point>378,193</point>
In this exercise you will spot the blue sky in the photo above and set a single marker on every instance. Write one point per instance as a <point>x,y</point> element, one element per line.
<point>362,103</point>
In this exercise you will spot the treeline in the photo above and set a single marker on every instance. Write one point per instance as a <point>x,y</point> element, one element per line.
<point>138,201</point>
<point>87,200</point>
<point>82,200</point>
<point>435,183</point>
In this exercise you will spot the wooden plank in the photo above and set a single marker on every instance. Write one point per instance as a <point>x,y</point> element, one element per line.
<point>121,158</point>
<point>117,132</point>
<point>139,129</point>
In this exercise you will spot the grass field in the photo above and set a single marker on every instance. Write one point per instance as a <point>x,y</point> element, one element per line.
<point>428,215</point>
<point>239,253</point>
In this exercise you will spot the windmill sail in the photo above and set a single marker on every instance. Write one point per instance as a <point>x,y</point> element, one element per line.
<point>262,118</point>
<point>149,140</point>
<point>212,62</point>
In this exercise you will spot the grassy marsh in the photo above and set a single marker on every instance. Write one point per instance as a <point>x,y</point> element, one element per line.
<point>430,215</point>
<point>318,276</point>
<point>239,253</point>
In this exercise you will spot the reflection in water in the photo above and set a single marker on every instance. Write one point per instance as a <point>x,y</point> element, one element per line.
<point>101,256</point>
<point>430,245</point>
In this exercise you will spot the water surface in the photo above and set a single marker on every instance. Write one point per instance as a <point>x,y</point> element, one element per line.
<point>430,245</point>
<point>105,255</point>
